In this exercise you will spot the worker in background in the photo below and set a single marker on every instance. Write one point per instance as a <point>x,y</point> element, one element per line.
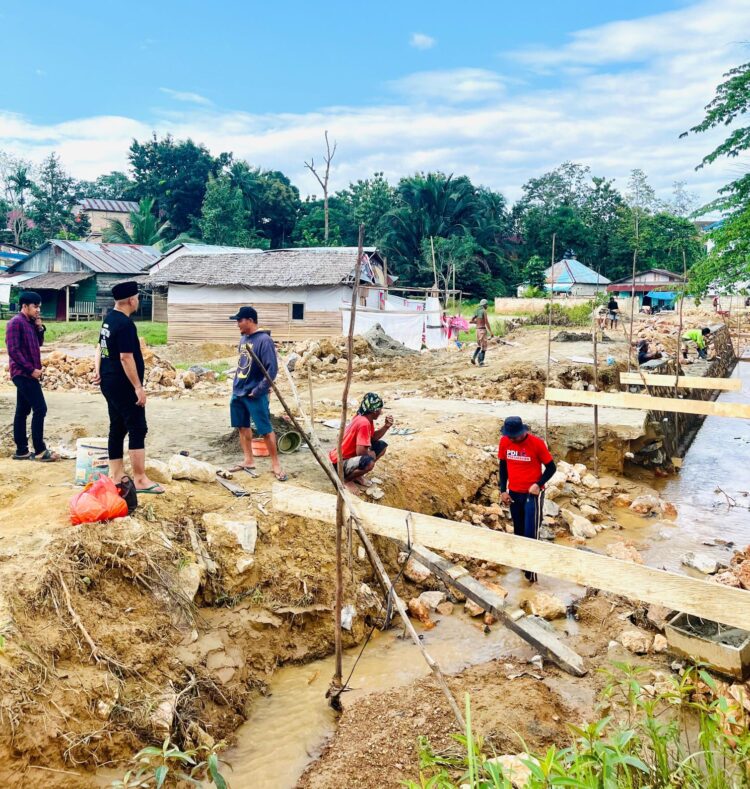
<point>697,337</point>
<point>249,404</point>
<point>613,312</point>
<point>24,336</point>
<point>644,355</point>
<point>482,321</point>
<point>363,445</point>
<point>119,370</point>
<point>526,465</point>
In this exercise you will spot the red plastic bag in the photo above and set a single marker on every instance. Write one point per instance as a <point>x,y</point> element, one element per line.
<point>98,501</point>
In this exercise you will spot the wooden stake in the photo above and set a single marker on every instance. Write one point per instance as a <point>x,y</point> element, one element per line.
<point>549,338</point>
<point>632,294</point>
<point>434,267</point>
<point>594,335</point>
<point>334,691</point>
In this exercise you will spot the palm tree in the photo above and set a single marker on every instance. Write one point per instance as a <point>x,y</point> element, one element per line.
<point>19,182</point>
<point>146,229</point>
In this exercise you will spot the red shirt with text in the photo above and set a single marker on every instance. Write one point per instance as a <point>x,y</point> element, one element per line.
<point>524,460</point>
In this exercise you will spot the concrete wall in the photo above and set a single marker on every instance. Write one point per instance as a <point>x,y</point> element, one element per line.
<point>513,306</point>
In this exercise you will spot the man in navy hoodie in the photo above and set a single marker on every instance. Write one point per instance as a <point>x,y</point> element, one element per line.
<point>249,403</point>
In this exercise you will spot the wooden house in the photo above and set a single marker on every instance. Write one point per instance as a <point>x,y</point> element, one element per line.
<point>651,287</point>
<point>299,293</point>
<point>75,278</point>
<point>102,212</point>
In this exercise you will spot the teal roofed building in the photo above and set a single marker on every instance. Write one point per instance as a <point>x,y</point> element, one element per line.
<point>569,277</point>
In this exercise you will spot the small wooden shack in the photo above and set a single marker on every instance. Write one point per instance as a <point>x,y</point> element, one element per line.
<point>298,293</point>
<point>102,212</point>
<point>75,278</point>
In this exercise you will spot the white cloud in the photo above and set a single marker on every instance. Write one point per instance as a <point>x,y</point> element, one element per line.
<point>422,41</point>
<point>451,86</point>
<point>611,118</point>
<point>187,96</point>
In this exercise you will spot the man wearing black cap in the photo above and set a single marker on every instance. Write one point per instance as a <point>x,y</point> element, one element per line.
<point>24,336</point>
<point>119,371</point>
<point>249,403</point>
<point>522,456</point>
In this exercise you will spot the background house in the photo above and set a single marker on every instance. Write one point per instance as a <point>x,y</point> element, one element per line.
<point>102,212</point>
<point>570,277</point>
<point>653,287</point>
<point>298,292</point>
<point>11,254</point>
<point>75,278</point>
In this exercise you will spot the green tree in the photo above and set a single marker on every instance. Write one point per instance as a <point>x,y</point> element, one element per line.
<point>224,219</point>
<point>368,201</point>
<point>534,272</point>
<point>147,230</point>
<point>731,102</point>
<point>664,237</point>
<point>271,200</point>
<point>54,201</point>
<point>309,230</point>
<point>112,186</point>
<point>175,173</point>
<point>728,264</point>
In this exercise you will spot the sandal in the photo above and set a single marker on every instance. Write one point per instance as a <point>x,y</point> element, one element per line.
<point>252,471</point>
<point>281,476</point>
<point>48,456</point>
<point>151,489</point>
<point>239,467</point>
<point>27,456</point>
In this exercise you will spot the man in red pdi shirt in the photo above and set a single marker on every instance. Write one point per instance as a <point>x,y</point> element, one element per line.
<point>522,456</point>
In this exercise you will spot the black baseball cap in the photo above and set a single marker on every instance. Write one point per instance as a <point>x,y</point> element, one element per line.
<point>249,313</point>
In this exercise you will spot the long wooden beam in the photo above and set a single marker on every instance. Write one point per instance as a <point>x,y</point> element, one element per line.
<point>647,403</point>
<point>679,592</point>
<point>683,382</point>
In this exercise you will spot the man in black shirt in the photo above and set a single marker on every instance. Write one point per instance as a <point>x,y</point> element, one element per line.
<point>119,371</point>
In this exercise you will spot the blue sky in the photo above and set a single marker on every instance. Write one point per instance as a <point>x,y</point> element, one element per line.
<point>499,90</point>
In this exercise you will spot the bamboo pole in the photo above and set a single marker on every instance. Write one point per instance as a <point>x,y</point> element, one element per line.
<point>595,337</point>
<point>632,295</point>
<point>434,267</point>
<point>334,692</point>
<point>549,337</point>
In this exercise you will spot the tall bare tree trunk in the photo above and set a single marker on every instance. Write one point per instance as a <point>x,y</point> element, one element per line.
<point>328,158</point>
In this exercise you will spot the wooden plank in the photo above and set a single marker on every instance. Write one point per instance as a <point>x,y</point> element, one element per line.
<point>683,382</point>
<point>547,644</point>
<point>647,403</point>
<point>679,592</point>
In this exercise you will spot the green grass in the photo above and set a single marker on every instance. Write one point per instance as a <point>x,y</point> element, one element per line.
<point>87,332</point>
<point>679,733</point>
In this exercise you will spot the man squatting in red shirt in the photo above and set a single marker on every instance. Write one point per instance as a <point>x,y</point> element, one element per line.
<point>522,455</point>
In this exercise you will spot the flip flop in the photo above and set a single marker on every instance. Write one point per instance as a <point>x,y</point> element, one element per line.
<point>283,477</point>
<point>151,489</point>
<point>251,470</point>
<point>27,456</point>
<point>48,456</point>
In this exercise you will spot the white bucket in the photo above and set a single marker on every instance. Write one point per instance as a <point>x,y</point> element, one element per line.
<point>91,458</point>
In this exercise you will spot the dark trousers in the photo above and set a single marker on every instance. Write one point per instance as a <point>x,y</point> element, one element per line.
<point>29,400</point>
<point>526,512</point>
<point>126,418</point>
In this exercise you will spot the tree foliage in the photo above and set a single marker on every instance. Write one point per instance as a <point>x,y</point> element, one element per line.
<point>224,219</point>
<point>111,186</point>
<point>175,173</point>
<point>54,200</point>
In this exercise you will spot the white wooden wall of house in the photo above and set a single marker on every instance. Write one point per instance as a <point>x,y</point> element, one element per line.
<point>200,313</point>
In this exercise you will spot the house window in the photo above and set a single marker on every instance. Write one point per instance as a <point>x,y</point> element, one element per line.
<point>298,312</point>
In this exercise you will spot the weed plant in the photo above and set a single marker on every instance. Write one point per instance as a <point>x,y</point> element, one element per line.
<point>681,733</point>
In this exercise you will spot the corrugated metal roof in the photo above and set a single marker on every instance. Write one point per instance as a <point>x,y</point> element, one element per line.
<point>573,271</point>
<point>115,206</point>
<point>200,249</point>
<point>267,269</point>
<point>54,280</point>
<point>109,258</point>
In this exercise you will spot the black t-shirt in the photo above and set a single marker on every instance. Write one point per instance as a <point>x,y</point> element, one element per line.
<point>119,335</point>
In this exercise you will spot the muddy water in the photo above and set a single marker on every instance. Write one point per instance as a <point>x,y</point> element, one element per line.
<point>718,458</point>
<point>288,729</point>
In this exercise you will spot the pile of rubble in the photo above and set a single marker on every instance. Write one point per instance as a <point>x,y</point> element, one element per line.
<point>328,357</point>
<point>576,503</point>
<point>69,372</point>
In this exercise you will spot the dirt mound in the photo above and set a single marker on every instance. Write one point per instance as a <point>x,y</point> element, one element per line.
<point>523,383</point>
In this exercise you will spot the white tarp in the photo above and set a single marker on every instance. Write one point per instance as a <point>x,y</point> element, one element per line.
<point>14,279</point>
<point>401,304</point>
<point>315,298</point>
<point>413,329</point>
<point>435,334</point>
